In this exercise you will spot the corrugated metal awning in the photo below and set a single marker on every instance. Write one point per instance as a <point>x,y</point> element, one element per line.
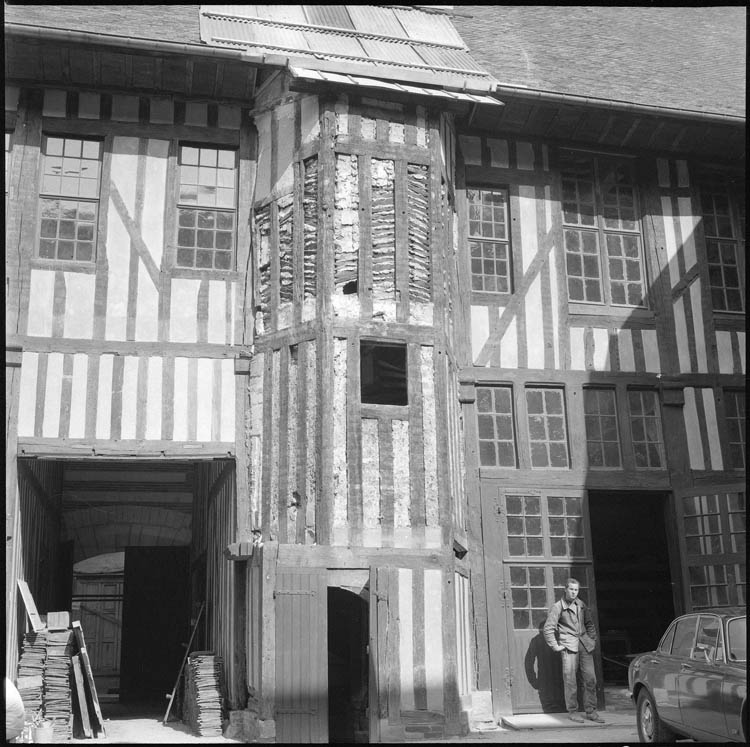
<point>403,44</point>
<point>320,76</point>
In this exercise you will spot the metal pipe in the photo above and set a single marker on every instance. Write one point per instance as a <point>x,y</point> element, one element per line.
<point>569,98</point>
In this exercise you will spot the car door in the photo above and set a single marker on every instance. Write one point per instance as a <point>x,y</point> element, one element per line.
<point>664,671</point>
<point>700,679</point>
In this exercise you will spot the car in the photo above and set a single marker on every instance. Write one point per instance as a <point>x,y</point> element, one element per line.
<point>695,683</point>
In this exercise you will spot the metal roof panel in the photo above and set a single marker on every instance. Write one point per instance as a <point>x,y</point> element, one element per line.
<point>326,43</point>
<point>370,19</point>
<point>394,51</point>
<point>280,13</point>
<point>336,16</point>
<point>442,59</point>
<point>433,28</point>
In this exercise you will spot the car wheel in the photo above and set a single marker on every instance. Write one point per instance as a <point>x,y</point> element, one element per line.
<point>650,727</point>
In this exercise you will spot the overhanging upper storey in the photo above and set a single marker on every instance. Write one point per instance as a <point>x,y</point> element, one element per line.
<point>393,43</point>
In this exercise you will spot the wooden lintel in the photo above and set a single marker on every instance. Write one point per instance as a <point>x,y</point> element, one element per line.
<point>320,556</point>
<point>81,448</point>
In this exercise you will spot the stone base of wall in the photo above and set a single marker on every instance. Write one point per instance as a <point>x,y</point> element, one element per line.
<point>247,727</point>
<point>476,708</point>
<point>419,726</point>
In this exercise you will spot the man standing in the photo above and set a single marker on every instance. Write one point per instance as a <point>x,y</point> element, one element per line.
<point>570,630</point>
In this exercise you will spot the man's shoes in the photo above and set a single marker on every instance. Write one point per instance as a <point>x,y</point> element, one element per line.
<point>575,717</point>
<point>594,716</point>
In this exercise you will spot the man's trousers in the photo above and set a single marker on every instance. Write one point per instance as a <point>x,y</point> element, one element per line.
<point>572,663</point>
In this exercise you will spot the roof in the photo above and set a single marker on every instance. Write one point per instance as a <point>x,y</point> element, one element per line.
<point>688,58</point>
<point>392,43</point>
<point>172,23</point>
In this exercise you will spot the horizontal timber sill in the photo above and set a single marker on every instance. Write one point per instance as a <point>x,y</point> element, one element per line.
<point>347,145</point>
<point>212,135</point>
<point>125,347</point>
<point>575,480</point>
<point>89,448</point>
<point>322,556</point>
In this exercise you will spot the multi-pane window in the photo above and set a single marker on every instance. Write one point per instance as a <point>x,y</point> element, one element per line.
<point>645,429</point>
<point>548,438</point>
<point>497,446</point>
<point>69,198</point>
<point>713,526</point>
<point>602,439</point>
<point>533,592</point>
<point>723,225</point>
<point>734,407</point>
<point>702,522</point>
<point>206,209</point>
<point>489,240</point>
<point>602,237</point>
<point>566,531</point>
<point>524,519</point>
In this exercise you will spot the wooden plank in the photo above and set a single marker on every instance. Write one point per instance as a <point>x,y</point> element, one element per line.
<point>401,228</point>
<point>354,442</point>
<point>58,620</point>
<point>80,691</point>
<point>417,517</point>
<point>28,600</point>
<point>89,677</point>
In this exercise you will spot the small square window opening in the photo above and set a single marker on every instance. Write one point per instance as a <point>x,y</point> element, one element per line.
<point>383,373</point>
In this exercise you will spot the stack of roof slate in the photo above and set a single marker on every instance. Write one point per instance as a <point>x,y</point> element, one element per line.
<point>58,702</point>
<point>31,670</point>
<point>204,693</point>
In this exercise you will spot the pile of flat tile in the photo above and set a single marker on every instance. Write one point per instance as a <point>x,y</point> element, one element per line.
<point>31,670</point>
<point>58,701</point>
<point>204,700</point>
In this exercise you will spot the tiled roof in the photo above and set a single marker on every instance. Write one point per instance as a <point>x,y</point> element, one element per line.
<point>388,42</point>
<point>690,58</point>
<point>172,23</point>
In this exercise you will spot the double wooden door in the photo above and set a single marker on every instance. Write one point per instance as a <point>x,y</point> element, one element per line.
<point>534,540</point>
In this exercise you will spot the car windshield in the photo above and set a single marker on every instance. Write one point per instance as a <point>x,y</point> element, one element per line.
<point>737,634</point>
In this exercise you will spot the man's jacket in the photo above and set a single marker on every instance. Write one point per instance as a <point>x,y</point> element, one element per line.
<point>567,624</point>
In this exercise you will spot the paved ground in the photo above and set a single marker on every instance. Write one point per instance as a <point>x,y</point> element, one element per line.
<point>125,725</point>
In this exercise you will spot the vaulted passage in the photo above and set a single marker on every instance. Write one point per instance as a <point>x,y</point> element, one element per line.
<point>633,580</point>
<point>127,547</point>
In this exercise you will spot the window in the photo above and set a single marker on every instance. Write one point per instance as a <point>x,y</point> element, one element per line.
<point>737,639</point>
<point>723,225</point>
<point>489,240</point>
<point>69,198</point>
<point>666,642</point>
<point>645,429</point>
<point>602,238</point>
<point>497,443</point>
<point>383,376</point>
<point>548,439</point>
<point>707,641</point>
<point>684,636</point>
<point>206,208</point>
<point>8,147</point>
<point>734,407</point>
<point>602,439</point>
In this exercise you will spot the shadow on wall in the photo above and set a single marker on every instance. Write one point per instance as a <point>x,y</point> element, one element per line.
<point>544,673</point>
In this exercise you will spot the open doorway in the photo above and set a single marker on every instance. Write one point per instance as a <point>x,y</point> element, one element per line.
<point>347,667</point>
<point>633,578</point>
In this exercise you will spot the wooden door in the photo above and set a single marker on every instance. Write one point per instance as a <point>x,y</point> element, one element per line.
<point>301,606</point>
<point>543,537</point>
<point>156,621</point>
<point>98,606</point>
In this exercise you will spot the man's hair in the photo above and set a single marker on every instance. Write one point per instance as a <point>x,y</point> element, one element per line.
<point>569,581</point>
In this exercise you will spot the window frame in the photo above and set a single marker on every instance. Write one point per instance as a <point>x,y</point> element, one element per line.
<point>613,391</point>
<point>606,305</point>
<point>660,420</point>
<point>494,414</point>
<point>173,247</point>
<point>737,414</point>
<point>720,180</point>
<point>56,262</point>
<point>527,387</point>
<point>483,295</point>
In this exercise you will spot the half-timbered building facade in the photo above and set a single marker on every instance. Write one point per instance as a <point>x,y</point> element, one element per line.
<point>342,334</point>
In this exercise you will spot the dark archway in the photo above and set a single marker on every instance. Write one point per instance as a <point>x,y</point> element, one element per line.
<point>348,669</point>
<point>633,579</point>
